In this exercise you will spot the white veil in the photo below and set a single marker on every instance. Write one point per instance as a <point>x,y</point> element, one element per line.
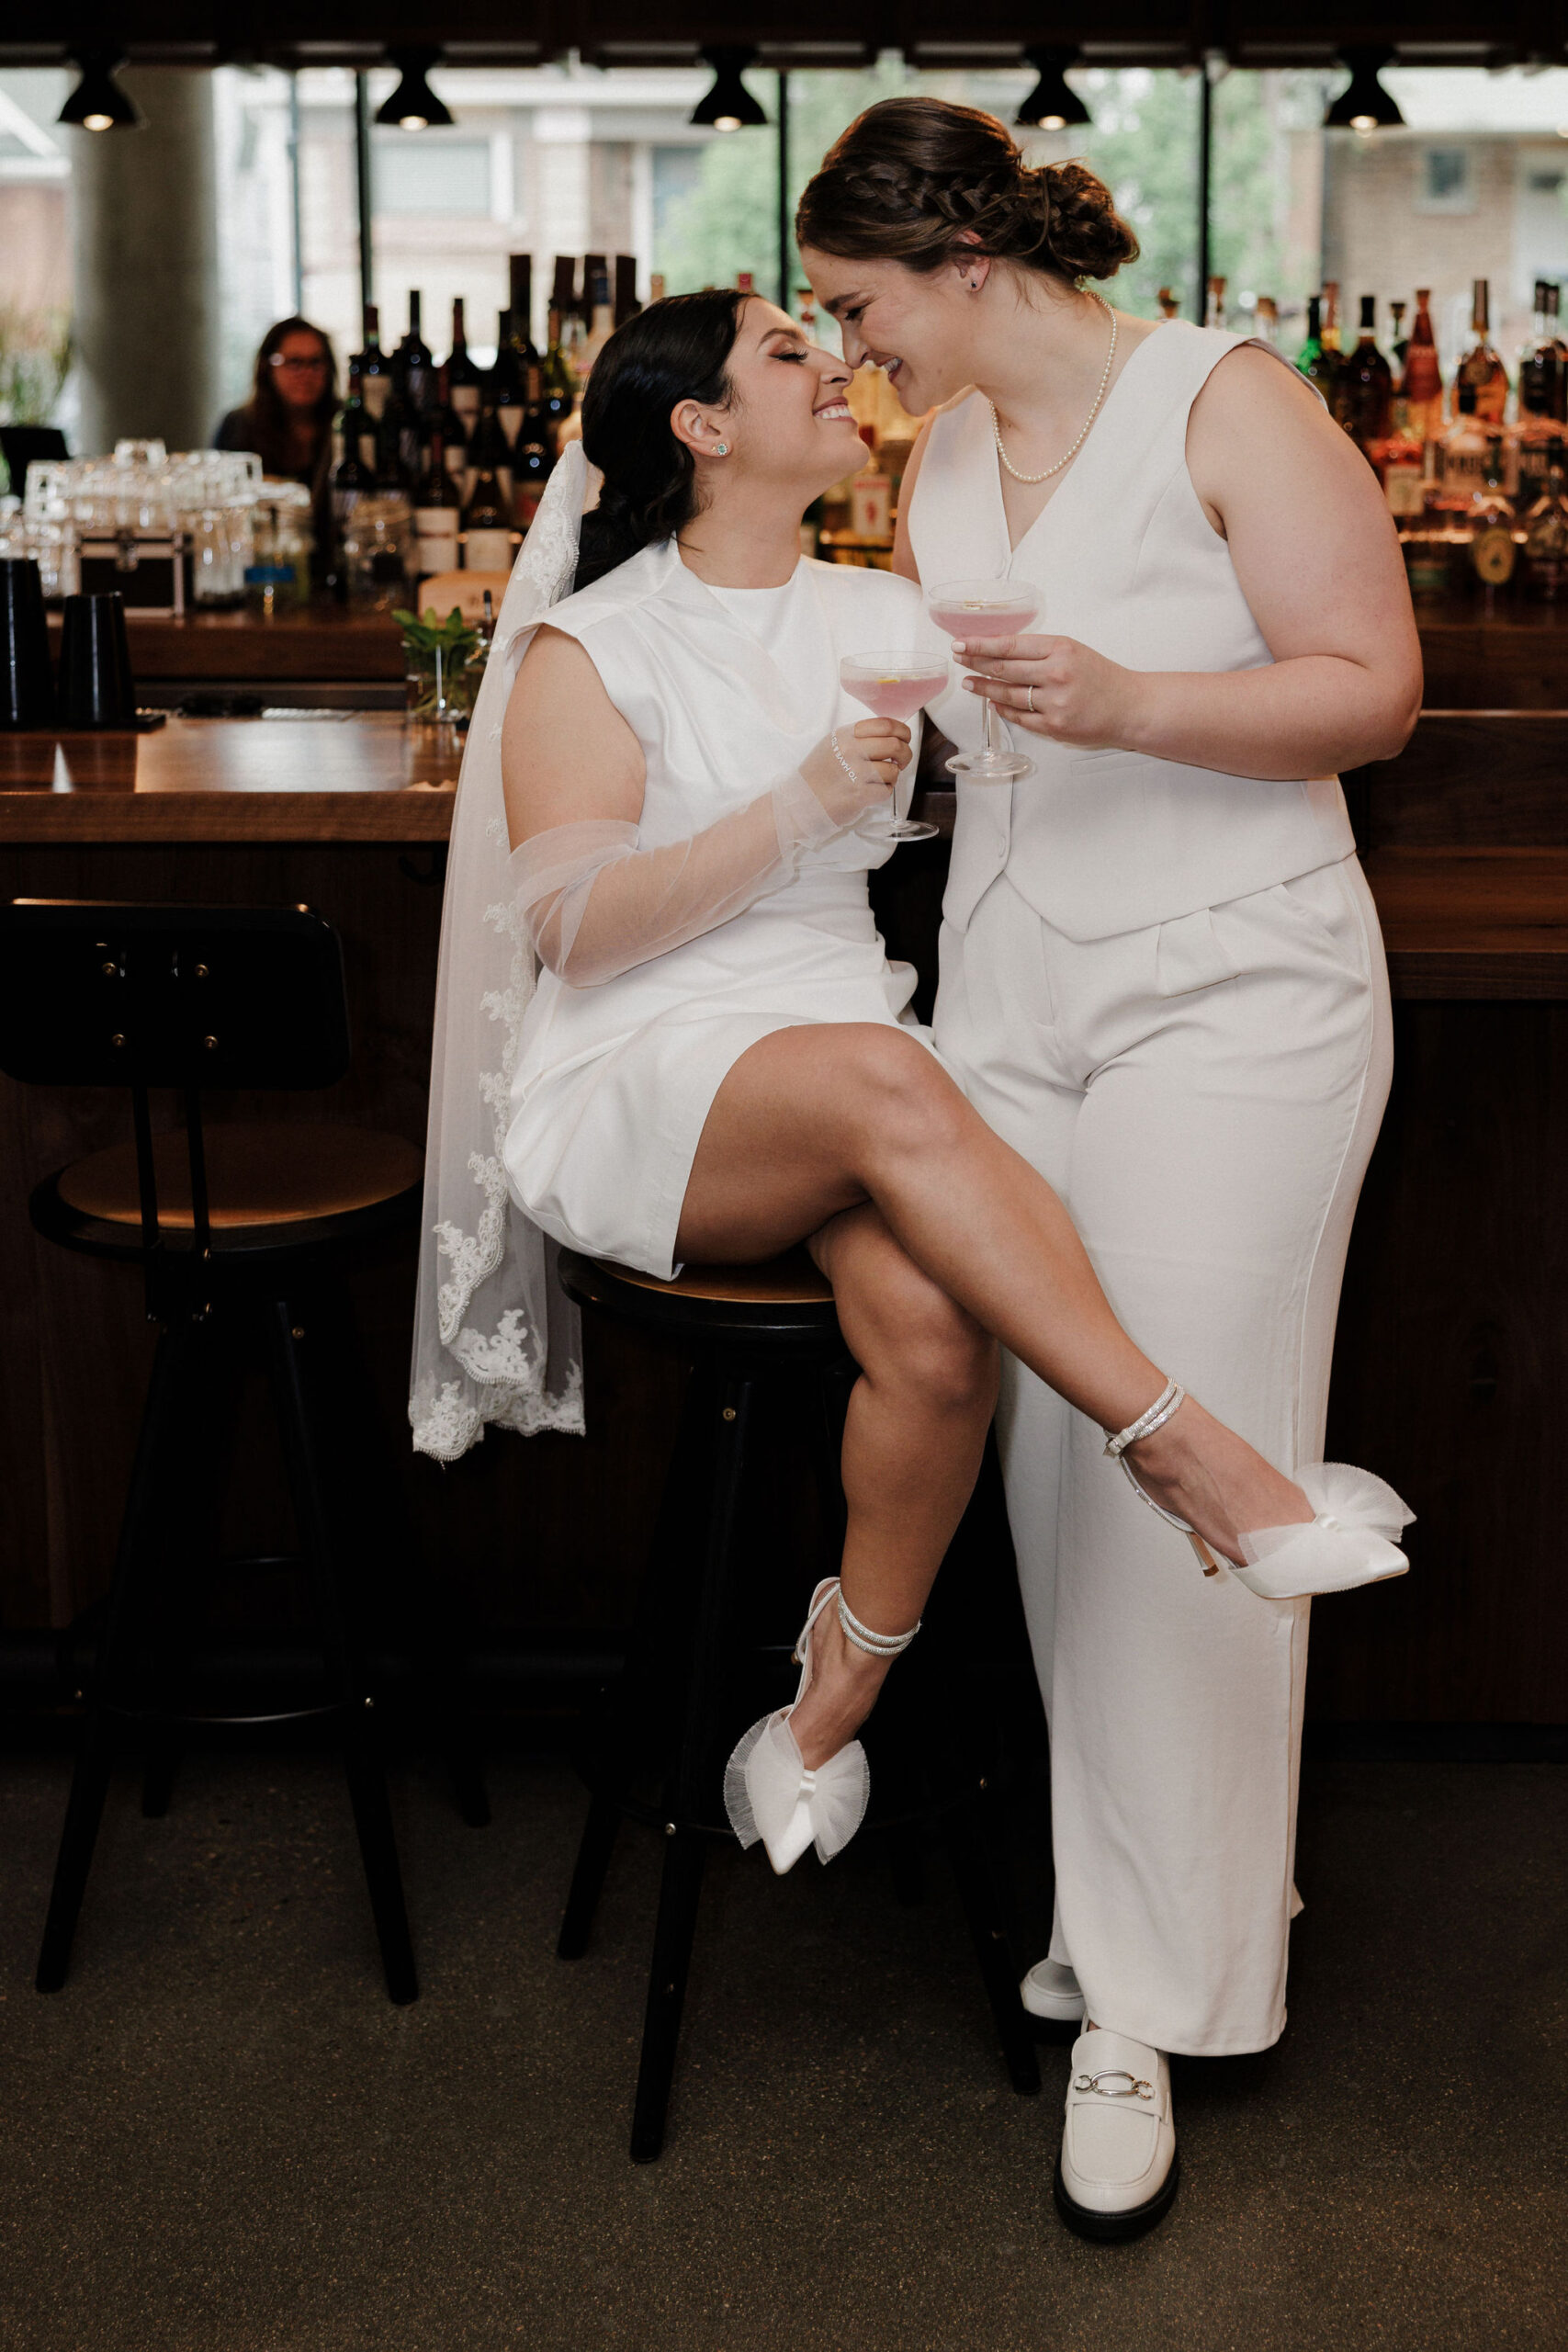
<point>495,1337</point>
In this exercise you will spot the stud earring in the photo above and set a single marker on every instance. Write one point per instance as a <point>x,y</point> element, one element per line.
<point>721,448</point>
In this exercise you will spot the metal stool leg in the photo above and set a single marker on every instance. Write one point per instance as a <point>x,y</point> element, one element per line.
<point>970,1838</point>
<point>592,1867</point>
<point>90,1779</point>
<point>684,1853</point>
<point>362,1759</point>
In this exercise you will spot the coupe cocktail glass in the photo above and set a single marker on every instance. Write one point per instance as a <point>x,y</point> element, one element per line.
<point>895,685</point>
<point>971,609</point>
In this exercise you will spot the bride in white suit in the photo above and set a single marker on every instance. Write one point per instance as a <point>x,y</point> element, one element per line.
<point>718,1061</point>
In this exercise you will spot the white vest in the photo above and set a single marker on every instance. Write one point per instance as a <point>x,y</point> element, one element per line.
<point>1127,562</point>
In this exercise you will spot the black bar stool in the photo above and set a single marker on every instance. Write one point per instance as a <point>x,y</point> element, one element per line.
<point>710,1652</point>
<point>244,1234</point>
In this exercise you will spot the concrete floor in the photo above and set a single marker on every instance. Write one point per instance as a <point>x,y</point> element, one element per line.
<point>221,2138</point>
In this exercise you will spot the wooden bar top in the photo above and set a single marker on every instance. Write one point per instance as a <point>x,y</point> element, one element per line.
<point>1462,917</point>
<point>348,776</point>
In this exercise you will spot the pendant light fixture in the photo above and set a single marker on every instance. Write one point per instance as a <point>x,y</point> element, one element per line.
<point>1364,104</point>
<point>97,103</point>
<point>1053,104</point>
<point>729,104</point>
<point>414,105</point>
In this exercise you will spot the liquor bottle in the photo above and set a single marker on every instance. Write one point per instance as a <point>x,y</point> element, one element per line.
<point>558,388</point>
<point>1403,466</point>
<point>1333,385</point>
<point>1481,367</point>
<point>533,463</point>
<point>594,266</point>
<point>437,513</point>
<point>1423,382</point>
<point>871,499</point>
<point>745,281</point>
<point>487,520</point>
<point>1399,343</point>
<point>1169,304</point>
<point>1314,363</point>
<point>374,369</point>
<point>656,287</point>
<point>465,385</point>
<point>520,268</point>
<point>626,304</point>
<point>1215,304</point>
<point>1492,550</point>
<point>489,452</point>
<point>1367,384</point>
<point>507,387</point>
<point>602,321</point>
<point>1266,321</point>
<point>352,477</point>
<point>1553,301</point>
<point>1465,451</point>
<point>1538,363</point>
<point>414,366</point>
<point>1546,534</point>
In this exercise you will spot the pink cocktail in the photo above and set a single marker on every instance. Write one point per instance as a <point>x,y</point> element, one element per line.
<point>986,608</point>
<point>895,685</point>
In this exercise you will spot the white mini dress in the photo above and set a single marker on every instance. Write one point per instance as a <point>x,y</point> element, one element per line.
<point>726,691</point>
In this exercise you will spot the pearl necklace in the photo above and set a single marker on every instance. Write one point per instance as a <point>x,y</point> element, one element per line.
<point>1077,444</point>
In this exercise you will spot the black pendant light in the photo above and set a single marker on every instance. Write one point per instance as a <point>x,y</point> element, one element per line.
<point>1364,104</point>
<point>729,104</point>
<point>97,103</point>
<point>1052,105</point>
<point>414,105</point>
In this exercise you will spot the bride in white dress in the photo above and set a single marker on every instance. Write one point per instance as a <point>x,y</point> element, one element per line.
<point>718,1060</point>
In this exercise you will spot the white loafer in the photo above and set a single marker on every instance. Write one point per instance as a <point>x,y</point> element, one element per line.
<point>1117,2173</point>
<point>1051,1993</point>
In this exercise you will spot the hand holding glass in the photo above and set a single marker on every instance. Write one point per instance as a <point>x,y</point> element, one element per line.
<point>971,608</point>
<point>895,685</point>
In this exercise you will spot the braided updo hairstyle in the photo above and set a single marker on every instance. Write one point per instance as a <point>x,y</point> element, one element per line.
<point>911,173</point>
<point>675,350</point>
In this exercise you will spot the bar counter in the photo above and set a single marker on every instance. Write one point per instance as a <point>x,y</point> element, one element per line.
<point>1453,1340</point>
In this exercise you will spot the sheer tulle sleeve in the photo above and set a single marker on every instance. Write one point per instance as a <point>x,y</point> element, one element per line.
<point>594,903</point>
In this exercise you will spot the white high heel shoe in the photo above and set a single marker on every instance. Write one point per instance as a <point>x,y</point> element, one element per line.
<point>1350,1541</point>
<point>769,1794</point>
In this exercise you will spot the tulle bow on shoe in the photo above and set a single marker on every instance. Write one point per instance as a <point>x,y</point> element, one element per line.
<point>1350,1541</point>
<point>769,1794</point>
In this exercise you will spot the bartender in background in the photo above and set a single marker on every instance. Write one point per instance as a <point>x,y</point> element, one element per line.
<point>287,419</point>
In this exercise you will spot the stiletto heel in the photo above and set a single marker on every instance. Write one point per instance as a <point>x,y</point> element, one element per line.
<point>1349,1542</point>
<point>769,1794</point>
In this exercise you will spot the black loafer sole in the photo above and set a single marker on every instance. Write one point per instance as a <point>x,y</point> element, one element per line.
<point>1108,2229</point>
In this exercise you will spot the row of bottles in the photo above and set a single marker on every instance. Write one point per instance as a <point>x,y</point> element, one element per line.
<point>437,465</point>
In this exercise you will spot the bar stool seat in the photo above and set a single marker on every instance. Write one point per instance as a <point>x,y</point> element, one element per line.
<point>257,1176</point>
<point>710,1647</point>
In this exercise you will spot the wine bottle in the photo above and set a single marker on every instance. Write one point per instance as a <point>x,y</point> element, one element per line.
<point>507,390</point>
<point>488,449</point>
<point>487,519</point>
<point>437,513</point>
<point>440,417</point>
<point>374,369</point>
<point>352,477</point>
<point>465,385</point>
<point>626,304</point>
<point>520,302</point>
<point>414,365</point>
<point>1367,384</point>
<point>1546,534</point>
<point>1423,382</point>
<point>1314,363</point>
<point>1482,368</point>
<point>602,321</point>
<point>1539,363</point>
<point>533,463</point>
<point>1553,301</point>
<point>1333,384</point>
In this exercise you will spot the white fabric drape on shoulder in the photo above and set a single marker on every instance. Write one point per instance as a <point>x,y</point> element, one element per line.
<point>496,1340</point>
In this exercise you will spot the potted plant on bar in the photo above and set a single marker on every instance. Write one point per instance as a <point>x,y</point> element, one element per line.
<point>443,664</point>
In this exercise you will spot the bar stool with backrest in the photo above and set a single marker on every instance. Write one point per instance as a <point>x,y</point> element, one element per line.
<point>710,1647</point>
<point>243,1235</point>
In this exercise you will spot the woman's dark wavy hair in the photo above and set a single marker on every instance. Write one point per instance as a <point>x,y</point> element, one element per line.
<point>267,414</point>
<point>676,350</point>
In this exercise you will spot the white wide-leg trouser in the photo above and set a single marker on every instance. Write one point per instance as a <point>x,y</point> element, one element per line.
<point>1204,1096</point>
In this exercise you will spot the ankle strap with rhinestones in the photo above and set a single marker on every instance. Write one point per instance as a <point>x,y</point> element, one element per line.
<point>1159,1412</point>
<point>875,1644</point>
